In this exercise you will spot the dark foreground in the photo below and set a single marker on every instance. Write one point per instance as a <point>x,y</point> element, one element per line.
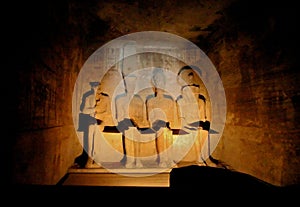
<point>192,184</point>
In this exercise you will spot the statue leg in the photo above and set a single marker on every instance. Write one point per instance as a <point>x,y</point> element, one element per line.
<point>137,154</point>
<point>123,160</point>
<point>137,149</point>
<point>199,142</point>
<point>197,147</point>
<point>203,134</point>
<point>92,136</point>
<point>169,149</point>
<point>161,146</point>
<point>90,161</point>
<point>129,147</point>
<point>97,145</point>
<point>130,159</point>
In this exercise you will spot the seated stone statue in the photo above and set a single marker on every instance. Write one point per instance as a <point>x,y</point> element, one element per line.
<point>130,114</point>
<point>193,109</point>
<point>88,124</point>
<point>160,114</point>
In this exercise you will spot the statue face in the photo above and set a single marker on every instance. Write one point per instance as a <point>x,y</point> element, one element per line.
<point>186,77</point>
<point>158,79</point>
<point>130,83</point>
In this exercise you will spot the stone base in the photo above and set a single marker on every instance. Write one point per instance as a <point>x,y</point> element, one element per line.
<point>146,177</point>
<point>116,174</point>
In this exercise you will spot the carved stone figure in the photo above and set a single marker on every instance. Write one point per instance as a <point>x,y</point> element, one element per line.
<point>194,109</point>
<point>130,113</point>
<point>160,114</point>
<point>88,123</point>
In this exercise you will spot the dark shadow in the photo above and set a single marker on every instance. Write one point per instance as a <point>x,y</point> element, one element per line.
<point>204,124</point>
<point>84,121</point>
<point>63,179</point>
<point>158,124</point>
<point>190,67</point>
<point>219,163</point>
<point>213,181</point>
<point>121,127</point>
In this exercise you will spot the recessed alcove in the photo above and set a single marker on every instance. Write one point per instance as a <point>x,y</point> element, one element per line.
<point>253,46</point>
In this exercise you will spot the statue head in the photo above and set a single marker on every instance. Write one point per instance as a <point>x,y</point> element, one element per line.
<point>158,78</point>
<point>130,83</point>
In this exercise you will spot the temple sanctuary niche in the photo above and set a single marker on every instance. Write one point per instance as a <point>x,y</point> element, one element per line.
<point>152,110</point>
<point>243,76</point>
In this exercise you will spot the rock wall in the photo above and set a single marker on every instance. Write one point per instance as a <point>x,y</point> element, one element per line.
<point>252,45</point>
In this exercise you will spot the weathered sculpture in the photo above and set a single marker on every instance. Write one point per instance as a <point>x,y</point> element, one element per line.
<point>160,114</point>
<point>155,109</point>
<point>194,109</point>
<point>130,115</point>
<point>88,124</point>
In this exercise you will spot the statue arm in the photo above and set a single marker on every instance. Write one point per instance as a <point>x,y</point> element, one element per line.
<point>89,107</point>
<point>119,110</point>
<point>102,108</point>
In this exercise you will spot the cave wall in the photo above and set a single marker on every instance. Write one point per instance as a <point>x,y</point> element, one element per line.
<point>252,45</point>
<point>257,64</point>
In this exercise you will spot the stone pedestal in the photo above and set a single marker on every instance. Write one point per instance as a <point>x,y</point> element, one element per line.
<point>145,177</point>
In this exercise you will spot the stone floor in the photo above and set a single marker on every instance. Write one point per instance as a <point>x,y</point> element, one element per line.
<point>116,174</point>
